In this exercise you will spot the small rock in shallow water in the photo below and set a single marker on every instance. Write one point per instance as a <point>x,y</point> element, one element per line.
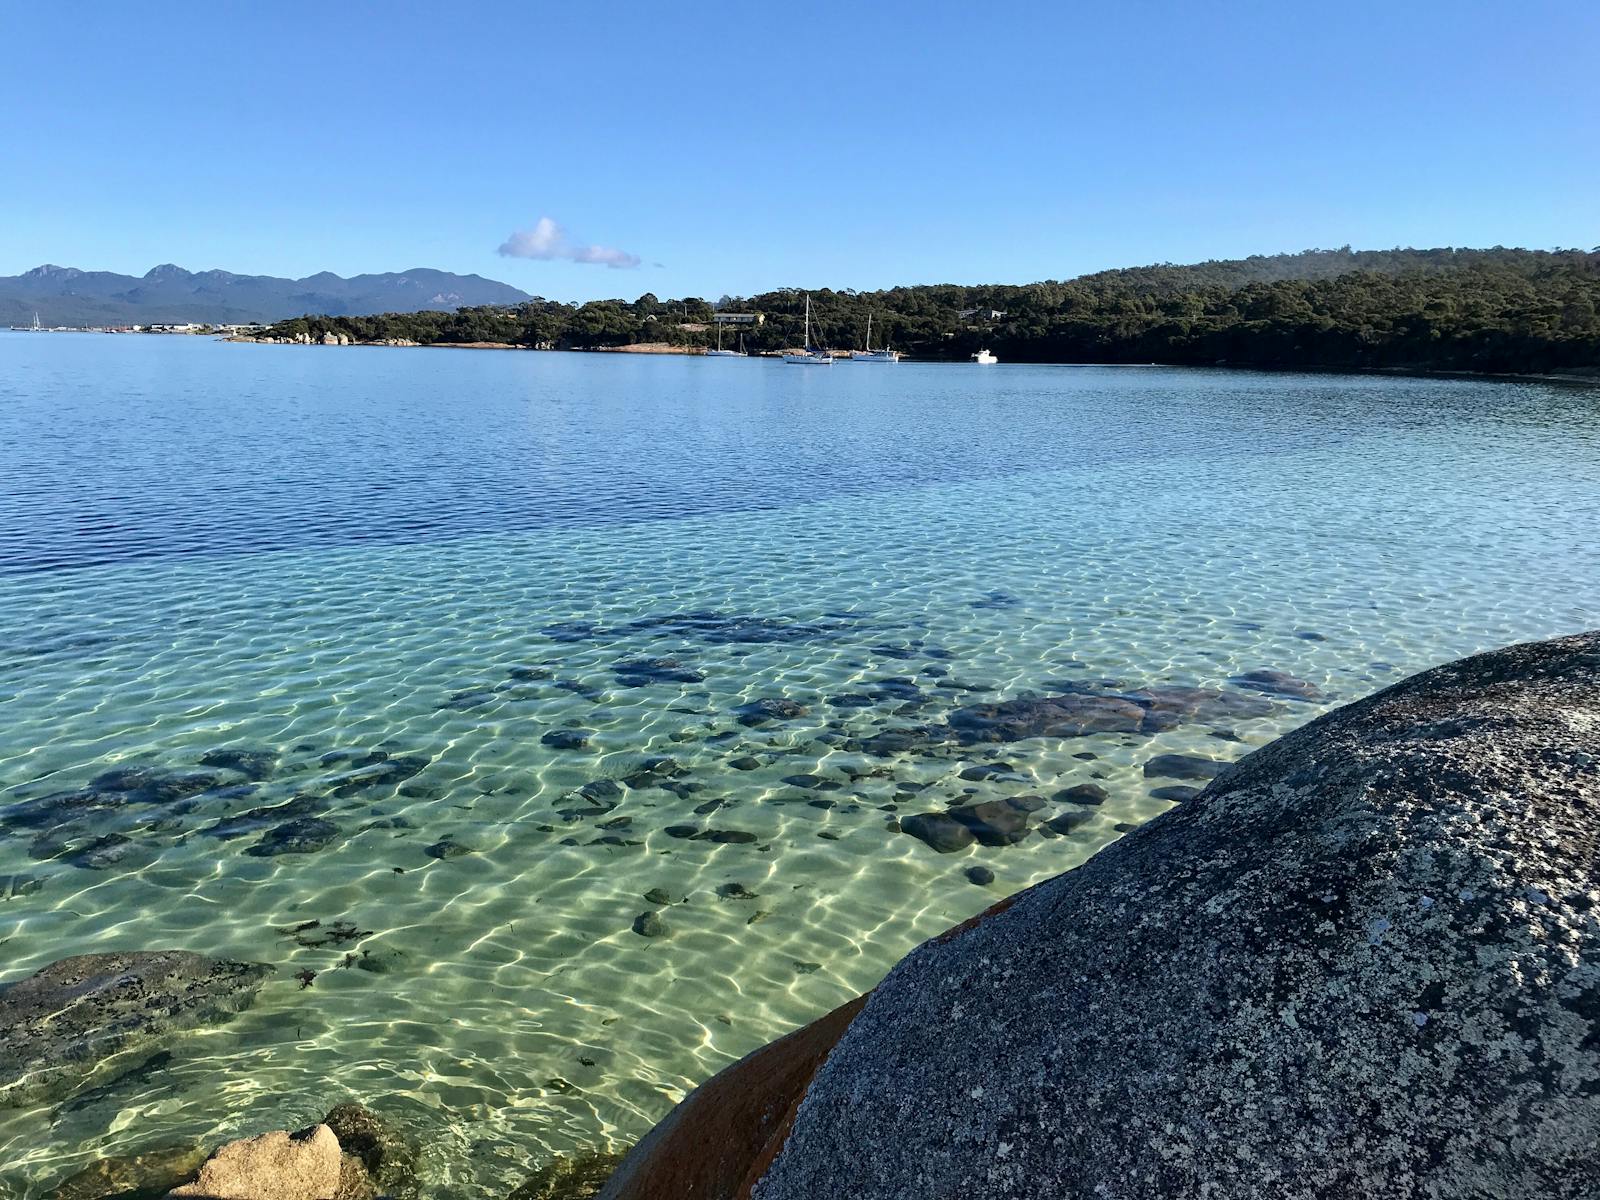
<point>759,712</point>
<point>658,896</point>
<point>388,1157</point>
<point>944,833</point>
<point>745,762</point>
<point>379,960</point>
<point>1082,793</point>
<point>148,1175</point>
<point>807,968</point>
<point>802,781</point>
<point>1064,823</point>
<point>305,835</point>
<point>566,739</point>
<point>1184,766</point>
<point>14,886</point>
<point>257,819</point>
<point>579,1178</point>
<point>252,764</point>
<point>982,876</point>
<point>103,853</point>
<point>996,822</point>
<point>650,925</point>
<point>448,847</point>
<point>736,891</point>
<point>1176,792</point>
<point>640,672</point>
<point>1277,683</point>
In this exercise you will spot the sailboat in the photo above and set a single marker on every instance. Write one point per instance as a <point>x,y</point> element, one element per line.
<point>719,352</point>
<point>868,354</point>
<point>809,357</point>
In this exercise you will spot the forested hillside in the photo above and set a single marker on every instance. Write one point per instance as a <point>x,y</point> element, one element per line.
<point>1494,310</point>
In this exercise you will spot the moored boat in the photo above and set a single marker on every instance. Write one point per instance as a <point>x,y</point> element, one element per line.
<point>868,354</point>
<point>809,357</point>
<point>719,352</point>
<point>984,358</point>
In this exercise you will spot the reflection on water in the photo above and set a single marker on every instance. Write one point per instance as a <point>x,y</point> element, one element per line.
<point>559,712</point>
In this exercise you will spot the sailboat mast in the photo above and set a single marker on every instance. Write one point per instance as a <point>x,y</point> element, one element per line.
<point>868,346</point>
<point>808,322</point>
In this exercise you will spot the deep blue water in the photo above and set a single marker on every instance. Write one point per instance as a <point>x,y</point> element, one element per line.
<point>118,448</point>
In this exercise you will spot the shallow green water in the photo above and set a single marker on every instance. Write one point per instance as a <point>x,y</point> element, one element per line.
<point>444,557</point>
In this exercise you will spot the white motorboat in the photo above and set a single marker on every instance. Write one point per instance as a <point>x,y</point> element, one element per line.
<point>809,357</point>
<point>868,354</point>
<point>984,358</point>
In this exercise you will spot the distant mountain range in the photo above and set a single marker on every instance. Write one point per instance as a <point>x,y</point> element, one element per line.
<point>169,294</point>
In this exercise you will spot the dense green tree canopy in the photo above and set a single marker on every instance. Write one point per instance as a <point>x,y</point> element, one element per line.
<point>1494,310</point>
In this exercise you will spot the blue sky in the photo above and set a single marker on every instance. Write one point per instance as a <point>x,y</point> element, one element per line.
<point>738,147</point>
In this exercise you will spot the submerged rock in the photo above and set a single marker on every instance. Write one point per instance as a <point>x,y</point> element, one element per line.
<point>154,785</point>
<point>447,848</point>
<point>1177,793</point>
<point>566,739</point>
<point>1082,793</point>
<point>104,852</point>
<point>304,835</point>
<point>1083,709</point>
<point>58,808</point>
<point>563,1178</point>
<point>1278,683</point>
<point>65,1020</point>
<point>267,816</point>
<point>1184,766</point>
<point>1063,824</point>
<point>759,712</point>
<point>716,628</point>
<point>387,1157</point>
<point>997,822</point>
<point>939,830</point>
<point>376,770</point>
<point>651,925</point>
<point>1363,964</point>
<point>252,764</point>
<point>640,672</point>
<point>148,1175</point>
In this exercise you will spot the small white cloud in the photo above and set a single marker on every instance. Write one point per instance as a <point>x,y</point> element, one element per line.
<point>548,241</point>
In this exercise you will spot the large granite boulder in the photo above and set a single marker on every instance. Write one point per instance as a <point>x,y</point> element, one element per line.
<point>1362,963</point>
<point>63,1021</point>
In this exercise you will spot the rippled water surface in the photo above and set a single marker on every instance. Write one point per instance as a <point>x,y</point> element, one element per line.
<point>430,592</point>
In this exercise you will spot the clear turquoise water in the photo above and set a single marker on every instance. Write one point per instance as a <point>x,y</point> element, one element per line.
<point>306,551</point>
